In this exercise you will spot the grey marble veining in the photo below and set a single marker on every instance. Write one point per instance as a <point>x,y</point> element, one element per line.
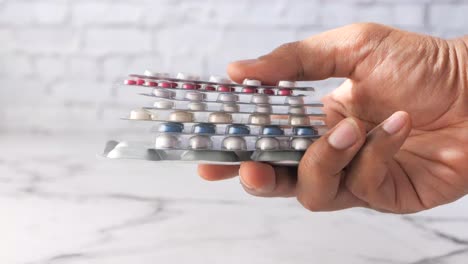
<point>61,204</point>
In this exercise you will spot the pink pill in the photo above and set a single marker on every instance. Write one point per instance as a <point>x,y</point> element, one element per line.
<point>130,82</point>
<point>174,85</point>
<point>210,88</point>
<point>151,83</point>
<point>165,84</point>
<point>197,86</point>
<point>268,91</point>
<point>223,88</point>
<point>140,82</point>
<point>249,90</point>
<point>189,86</point>
<point>285,92</point>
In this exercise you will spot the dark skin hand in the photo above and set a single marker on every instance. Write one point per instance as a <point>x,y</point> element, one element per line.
<point>398,139</point>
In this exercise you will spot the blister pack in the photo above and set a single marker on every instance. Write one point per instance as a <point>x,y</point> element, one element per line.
<point>221,122</point>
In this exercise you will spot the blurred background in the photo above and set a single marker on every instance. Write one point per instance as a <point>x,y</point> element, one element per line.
<point>59,63</point>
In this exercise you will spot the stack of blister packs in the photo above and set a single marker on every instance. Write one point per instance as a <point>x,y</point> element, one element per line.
<point>221,122</point>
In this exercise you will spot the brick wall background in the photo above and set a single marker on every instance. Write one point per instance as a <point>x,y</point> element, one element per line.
<point>59,58</point>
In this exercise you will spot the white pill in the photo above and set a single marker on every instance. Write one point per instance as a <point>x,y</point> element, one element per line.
<point>220,117</point>
<point>252,82</point>
<point>164,141</point>
<point>200,142</point>
<point>259,119</point>
<point>295,100</point>
<point>297,110</point>
<point>264,109</point>
<point>267,143</point>
<point>194,96</point>
<point>300,143</point>
<point>230,107</point>
<point>260,99</point>
<point>150,73</point>
<point>219,79</point>
<point>163,93</point>
<point>197,106</point>
<point>181,116</point>
<point>187,76</point>
<point>288,84</point>
<point>140,114</point>
<point>228,97</point>
<point>299,120</point>
<point>234,143</point>
<point>164,104</point>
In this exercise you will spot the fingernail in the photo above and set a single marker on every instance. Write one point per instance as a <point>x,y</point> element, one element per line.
<point>345,135</point>
<point>247,62</point>
<point>394,123</point>
<point>264,189</point>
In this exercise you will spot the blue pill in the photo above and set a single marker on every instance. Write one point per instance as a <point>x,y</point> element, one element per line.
<point>272,131</point>
<point>238,130</point>
<point>171,127</point>
<point>204,129</point>
<point>305,131</point>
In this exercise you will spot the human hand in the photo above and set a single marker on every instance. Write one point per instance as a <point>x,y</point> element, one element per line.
<point>414,160</point>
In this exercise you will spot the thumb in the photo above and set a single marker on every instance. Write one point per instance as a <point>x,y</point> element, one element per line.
<point>334,53</point>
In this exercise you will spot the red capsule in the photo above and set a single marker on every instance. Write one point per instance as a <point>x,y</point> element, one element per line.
<point>210,88</point>
<point>165,84</point>
<point>249,90</point>
<point>285,92</point>
<point>140,81</point>
<point>174,85</point>
<point>151,83</point>
<point>269,91</point>
<point>189,86</point>
<point>224,88</point>
<point>130,82</point>
<point>197,86</point>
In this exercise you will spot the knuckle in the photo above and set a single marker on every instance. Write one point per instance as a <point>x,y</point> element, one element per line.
<point>366,28</point>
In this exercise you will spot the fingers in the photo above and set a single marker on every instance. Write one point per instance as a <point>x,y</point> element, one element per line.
<point>320,174</point>
<point>217,172</point>
<point>265,180</point>
<point>335,53</point>
<point>374,175</point>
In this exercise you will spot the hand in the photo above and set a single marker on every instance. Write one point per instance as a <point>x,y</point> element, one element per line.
<point>414,160</point>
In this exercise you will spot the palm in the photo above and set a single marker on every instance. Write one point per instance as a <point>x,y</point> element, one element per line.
<point>430,169</point>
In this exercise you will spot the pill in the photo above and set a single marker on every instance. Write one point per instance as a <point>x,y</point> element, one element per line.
<point>189,86</point>
<point>181,116</point>
<point>230,107</point>
<point>174,85</point>
<point>220,117</point>
<point>263,108</point>
<point>260,99</point>
<point>210,88</point>
<point>165,141</point>
<point>268,91</point>
<point>237,130</point>
<point>305,131</point>
<point>151,83</point>
<point>140,114</point>
<point>295,100</point>
<point>297,110</point>
<point>227,97</point>
<point>140,82</point>
<point>249,82</point>
<point>150,73</point>
<point>272,131</point>
<point>194,96</point>
<point>200,142</point>
<point>300,143</point>
<point>130,82</point>
<point>203,128</point>
<point>164,104</point>
<point>267,143</point>
<point>219,79</point>
<point>171,127</point>
<point>197,106</point>
<point>297,120</point>
<point>162,93</point>
<point>224,88</point>
<point>284,92</point>
<point>198,86</point>
<point>249,90</point>
<point>165,84</point>
<point>288,84</point>
<point>234,143</point>
<point>259,119</point>
<point>187,76</point>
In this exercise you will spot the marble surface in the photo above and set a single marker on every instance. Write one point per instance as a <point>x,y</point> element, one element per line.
<point>60,204</point>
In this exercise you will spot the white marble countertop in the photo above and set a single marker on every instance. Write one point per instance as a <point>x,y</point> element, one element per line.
<point>61,204</point>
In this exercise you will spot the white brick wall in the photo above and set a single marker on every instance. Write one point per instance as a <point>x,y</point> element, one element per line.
<point>59,58</point>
